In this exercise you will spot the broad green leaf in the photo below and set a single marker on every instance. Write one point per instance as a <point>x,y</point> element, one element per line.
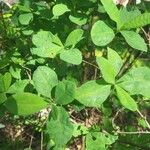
<point>127,16</point>
<point>60,9</point>
<point>111,9</point>
<point>115,60</point>
<point>59,127</point>
<point>15,72</point>
<point>2,86</point>
<point>46,51</point>
<point>134,40</point>
<point>74,37</point>
<point>44,79</point>
<point>99,141</point>
<point>78,19</point>
<point>7,80</point>
<point>25,19</point>
<point>27,31</point>
<point>137,81</point>
<point>18,86</point>
<point>138,21</point>
<point>47,45</point>
<point>42,38</point>
<point>93,93</point>
<point>25,104</point>
<point>2,98</point>
<point>24,8</point>
<point>72,56</point>
<point>101,34</point>
<point>125,99</point>
<point>65,92</point>
<point>79,129</point>
<point>107,70</point>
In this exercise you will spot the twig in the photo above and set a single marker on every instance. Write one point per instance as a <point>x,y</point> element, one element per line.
<point>144,117</point>
<point>42,140</point>
<point>28,71</point>
<point>116,115</point>
<point>90,64</point>
<point>83,143</point>
<point>147,36</point>
<point>31,140</point>
<point>124,67</point>
<point>136,132</point>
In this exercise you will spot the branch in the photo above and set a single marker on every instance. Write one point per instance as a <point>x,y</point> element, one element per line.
<point>144,117</point>
<point>136,132</point>
<point>90,64</point>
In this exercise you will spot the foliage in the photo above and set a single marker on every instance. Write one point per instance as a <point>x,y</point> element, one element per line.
<point>81,61</point>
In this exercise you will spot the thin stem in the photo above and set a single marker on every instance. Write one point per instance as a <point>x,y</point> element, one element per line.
<point>90,64</point>
<point>124,67</point>
<point>31,140</point>
<point>136,132</point>
<point>146,35</point>
<point>114,118</point>
<point>144,117</point>
<point>42,140</point>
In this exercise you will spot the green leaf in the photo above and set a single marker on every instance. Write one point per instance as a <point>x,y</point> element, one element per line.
<point>2,98</point>
<point>127,16</point>
<point>15,72</point>
<point>47,45</point>
<point>107,70</point>
<point>25,104</point>
<point>72,56</point>
<point>115,60</point>
<point>59,127</point>
<point>125,99</point>
<point>18,86</point>
<point>65,92</point>
<point>137,81</point>
<point>60,9</point>
<point>134,40</point>
<point>44,79</point>
<point>5,81</point>
<point>101,34</point>
<point>111,9</point>
<point>46,51</point>
<point>7,78</point>
<point>78,19</point>
<point>99,141</point>
<point>138,21</point>
<point>25,19</point>
<point>74,37</point>
<point>23,8</point>
<point>42,38</point>
<point>93,93</point>
<point>2,86</point>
